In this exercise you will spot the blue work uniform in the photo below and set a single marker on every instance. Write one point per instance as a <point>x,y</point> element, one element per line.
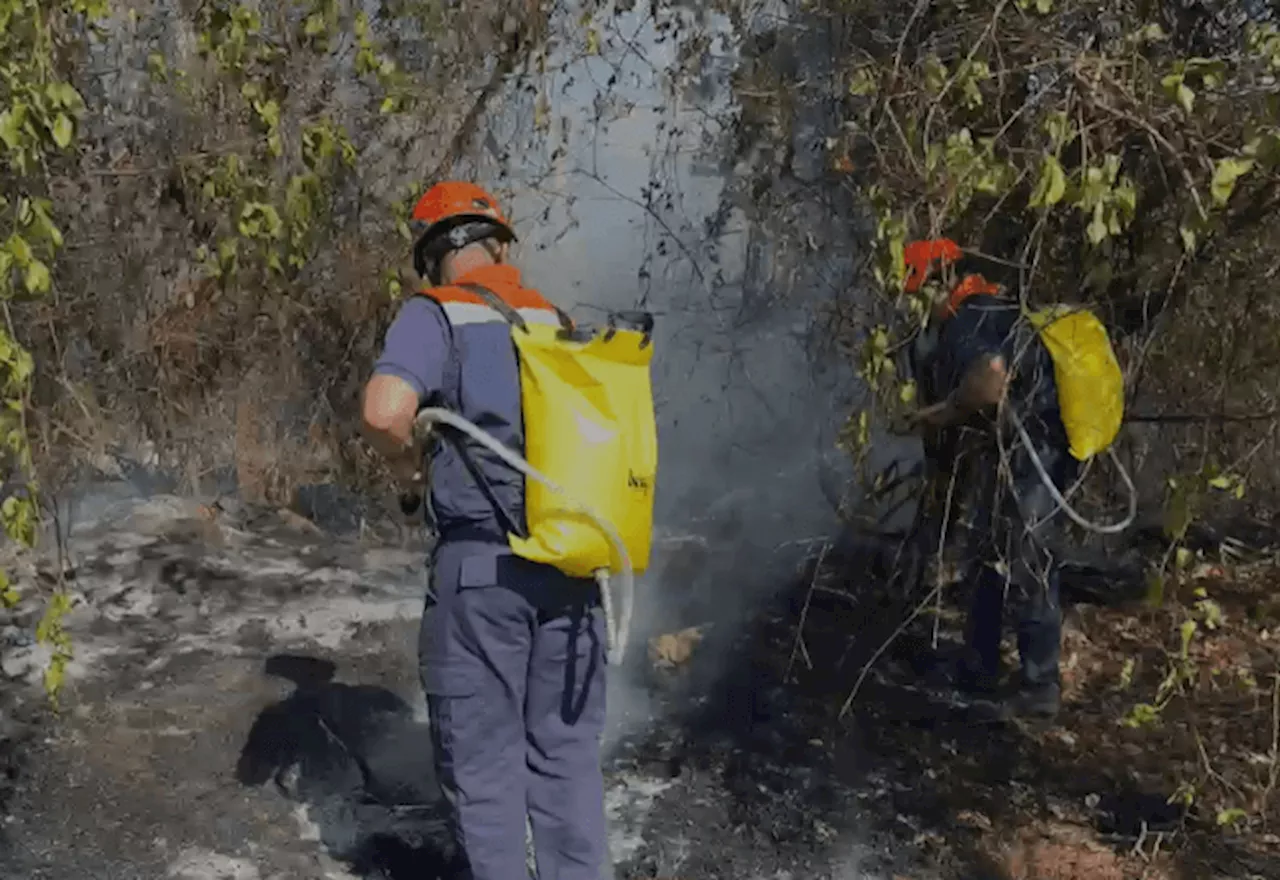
<point>511,652</point>
<point>1011,540</point>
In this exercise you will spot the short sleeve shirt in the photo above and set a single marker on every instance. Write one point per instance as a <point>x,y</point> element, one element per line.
<point>416,348</point>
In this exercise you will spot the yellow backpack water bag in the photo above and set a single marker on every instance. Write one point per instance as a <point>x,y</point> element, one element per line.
<point>589,427</point>
<point>590,442</point>
<point>1090,384</point>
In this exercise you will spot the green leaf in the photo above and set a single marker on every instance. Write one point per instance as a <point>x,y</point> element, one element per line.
<point>1231,817</point>
<point>1188,236</point>
<point>21,251</point>
<point>1176,88</point>
<point>157,68</point>
<point>1060,130</point>
<point>1125,197</point>
<point>62,131</point>
<point>260,220</point>
<point>863,82</point>
<point>1126,674</point>
<point>1152,33</point>
<point>1052,185</point>
<point>1178,512</point>
<point>935,74</point>
<point>1141,715</point>
<point>1212,71</point>
<point>1097,231</point>
<point>43,224</point>
<point>64,95</point>
<point>36,277</point>
<point>1225,175</point>
<point>1188,632</point>
<point>268,112</point>
<point>11,125</point>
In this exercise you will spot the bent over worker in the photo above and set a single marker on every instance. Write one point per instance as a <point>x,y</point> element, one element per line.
<point>511,651</point>
<point>986,356</point>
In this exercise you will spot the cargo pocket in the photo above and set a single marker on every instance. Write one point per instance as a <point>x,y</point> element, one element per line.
<point>442,677</point>
<point>450,687</point>
<point>476,571</point>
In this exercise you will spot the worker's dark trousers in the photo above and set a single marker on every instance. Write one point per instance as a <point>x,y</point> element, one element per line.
<point>512,659</point>
<point>1013,562</point>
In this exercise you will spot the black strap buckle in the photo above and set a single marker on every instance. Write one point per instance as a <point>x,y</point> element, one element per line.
<point>631,320</point>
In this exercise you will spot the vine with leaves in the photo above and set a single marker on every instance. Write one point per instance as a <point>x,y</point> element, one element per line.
<point>38,128</point>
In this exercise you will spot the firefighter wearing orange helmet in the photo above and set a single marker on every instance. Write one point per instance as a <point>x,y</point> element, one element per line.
<point>980,355</point>
<point>511,652</point>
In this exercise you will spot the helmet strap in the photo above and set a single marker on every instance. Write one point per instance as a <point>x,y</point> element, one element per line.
<point>435,244</point>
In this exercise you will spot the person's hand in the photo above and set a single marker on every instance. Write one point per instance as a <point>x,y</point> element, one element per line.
<point>932,417</point>
<point>984,384</point>
<point>407,468</point>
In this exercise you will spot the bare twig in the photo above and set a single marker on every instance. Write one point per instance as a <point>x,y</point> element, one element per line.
<point>798,645</point>
<point>933,595</point>
<point>866,669</point>
<point>977,44</point>
<point>1274,776</point>
<point>921,6</point>
<point>1164,142</point>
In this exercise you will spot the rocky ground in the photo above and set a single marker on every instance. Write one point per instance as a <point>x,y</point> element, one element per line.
<point>244,706</point>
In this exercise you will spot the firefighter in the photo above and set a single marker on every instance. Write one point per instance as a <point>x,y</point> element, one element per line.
<point>984,357</point>
<point>511,651</point>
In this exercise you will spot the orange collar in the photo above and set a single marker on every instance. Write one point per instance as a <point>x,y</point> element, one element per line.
<point>502,278</point>
<point>502,275</point>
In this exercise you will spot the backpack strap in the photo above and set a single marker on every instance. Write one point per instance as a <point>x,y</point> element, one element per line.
<point>499,305</point>
<point>453,386</point>
<point>512,316</point>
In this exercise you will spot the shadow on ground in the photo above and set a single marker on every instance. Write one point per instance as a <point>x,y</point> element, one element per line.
<point>361,764</point>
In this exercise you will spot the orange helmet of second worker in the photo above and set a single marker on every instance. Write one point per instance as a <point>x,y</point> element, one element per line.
<point>921,255</point>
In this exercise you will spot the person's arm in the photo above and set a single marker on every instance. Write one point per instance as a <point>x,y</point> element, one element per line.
<point>409,371</point>
<point>984,384</point>
<point>978,349</point>
<point>389,406</point>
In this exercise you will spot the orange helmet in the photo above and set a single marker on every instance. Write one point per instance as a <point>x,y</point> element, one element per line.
<point>920,256</point>
<point>456,214</point>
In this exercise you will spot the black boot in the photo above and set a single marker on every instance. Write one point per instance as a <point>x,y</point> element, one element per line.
<point>1035,701</point>
<point>975,682</point>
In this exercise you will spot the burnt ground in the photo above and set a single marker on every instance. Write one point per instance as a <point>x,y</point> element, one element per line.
<point>951,794</point>
<point>244,706</point>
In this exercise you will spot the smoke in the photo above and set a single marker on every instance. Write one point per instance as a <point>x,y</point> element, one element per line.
<point>614,167</point>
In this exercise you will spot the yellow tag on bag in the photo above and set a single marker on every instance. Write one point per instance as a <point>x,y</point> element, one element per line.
<point>1090,383</point>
